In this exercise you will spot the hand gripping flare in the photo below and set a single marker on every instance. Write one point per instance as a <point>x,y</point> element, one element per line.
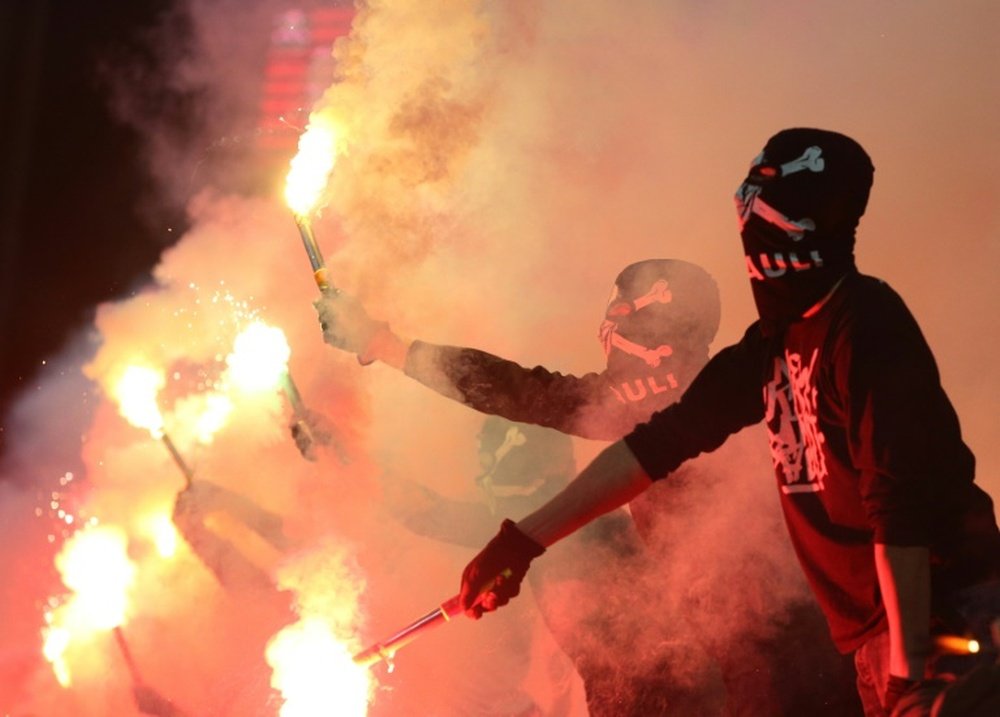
<point>494,576</point>
<point>489,581</point>
<point>386,649</point>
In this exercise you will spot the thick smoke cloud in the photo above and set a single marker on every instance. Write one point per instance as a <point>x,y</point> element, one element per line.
<point>501,162</point>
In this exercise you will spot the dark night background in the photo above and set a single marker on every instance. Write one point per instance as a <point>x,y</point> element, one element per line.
<point>77,222</point>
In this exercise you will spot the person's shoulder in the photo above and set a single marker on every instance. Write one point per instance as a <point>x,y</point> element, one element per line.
<point>752,347</point>
<point>870,299</point>
<point>870,308</point>
<point>870,286</point>
<point>753,335</point>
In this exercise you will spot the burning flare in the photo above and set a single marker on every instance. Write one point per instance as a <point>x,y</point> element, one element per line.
<point>213,415</point>
<point>956,645</point>
<point>311,166</point>
<point>311,659</point>
<point>95,566</point>
<point>314,671</point>
<point>135,392</point>
<point>136,395</point>
<point>160,529</point>
<point>259,358</point>
<point>307,178</point>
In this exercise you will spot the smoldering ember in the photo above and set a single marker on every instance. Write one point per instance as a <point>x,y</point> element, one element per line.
<point>208,510</point>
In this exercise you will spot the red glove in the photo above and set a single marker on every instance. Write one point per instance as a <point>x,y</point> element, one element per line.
<point>494,576</point>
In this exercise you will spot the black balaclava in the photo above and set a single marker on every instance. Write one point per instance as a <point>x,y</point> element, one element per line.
<point>662,315</point>
<point>798,209</point>
<point>660,322</point>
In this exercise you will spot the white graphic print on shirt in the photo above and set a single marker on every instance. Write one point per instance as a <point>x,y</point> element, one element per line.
<point>792,426</point>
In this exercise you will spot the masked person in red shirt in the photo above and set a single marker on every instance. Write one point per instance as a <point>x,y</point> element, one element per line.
<point>660,321</point>
<point>876,485</point>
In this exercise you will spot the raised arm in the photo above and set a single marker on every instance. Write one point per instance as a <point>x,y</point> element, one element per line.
<point>346,325</point>
<point>583,406</point>
<point>611,480</point>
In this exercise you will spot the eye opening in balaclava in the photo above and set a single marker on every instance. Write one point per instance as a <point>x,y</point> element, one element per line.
<point>799,207</point>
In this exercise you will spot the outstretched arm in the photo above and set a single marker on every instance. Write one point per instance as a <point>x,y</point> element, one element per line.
<point>611,480</point>
<point>494,576</point>
<point>583,406</point>
<point>426,512</point>
<point>724,398</point>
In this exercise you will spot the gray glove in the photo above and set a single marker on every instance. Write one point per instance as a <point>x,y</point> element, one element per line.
<point>346,324</point>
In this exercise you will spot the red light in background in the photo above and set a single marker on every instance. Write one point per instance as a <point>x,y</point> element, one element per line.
<point>299,67</point>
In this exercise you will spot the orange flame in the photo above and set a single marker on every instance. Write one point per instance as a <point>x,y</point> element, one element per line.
<point>312,660</point>
<point>95,566</point>
<point>213,416</point>
<point>161,531</point>
<point>259,358</point>
<point>956,645</point>
<point>135,393</point>
<point>314,671</point>
<point>311,166</point>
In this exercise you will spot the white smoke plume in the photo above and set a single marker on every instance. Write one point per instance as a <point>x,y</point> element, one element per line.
<point>502,162</point>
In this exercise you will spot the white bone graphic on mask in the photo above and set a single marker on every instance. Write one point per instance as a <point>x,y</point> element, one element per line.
<point>811,159</point>
<point>794,229</point>
<point>659,293</point>
<point>746,194</point>
<point>650,356</point>
<point>515,437</point>
<point>747,199</point>
<point>490,490</point>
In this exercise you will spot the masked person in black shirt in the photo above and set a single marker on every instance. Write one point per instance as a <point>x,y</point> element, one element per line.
<point>660,321</point>
<point>875,482</point>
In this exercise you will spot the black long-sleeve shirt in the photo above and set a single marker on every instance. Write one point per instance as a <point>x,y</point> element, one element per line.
<point>601,406</point>
<point>607,406</point>
<point>594,405</point>
<point>865,443</point>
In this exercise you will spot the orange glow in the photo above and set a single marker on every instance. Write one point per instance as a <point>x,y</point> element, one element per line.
<point>160,529</point>
<point>213,416</point>
<point>311,166</point>
<point>315,674</point>
<point>56,640</point>
<point>95,566</point>
<point>311,660</point>
<point>956,645</point>
<point>259,358</point>
<point>247,541</point>
<point>135,393</point>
